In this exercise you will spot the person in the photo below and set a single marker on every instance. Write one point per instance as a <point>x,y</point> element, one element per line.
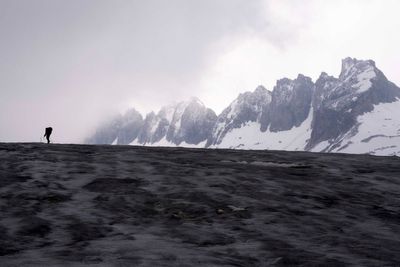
<point>47,134</point>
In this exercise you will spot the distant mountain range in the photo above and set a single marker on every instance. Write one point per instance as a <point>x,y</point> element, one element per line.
<point>354,113</point>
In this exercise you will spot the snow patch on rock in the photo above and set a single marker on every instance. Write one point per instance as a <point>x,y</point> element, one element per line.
<point>364,80</point>
<point>249,136</point>
<point>376,132</point>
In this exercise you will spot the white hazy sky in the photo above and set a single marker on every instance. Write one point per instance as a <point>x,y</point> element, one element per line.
<point>68,64</point>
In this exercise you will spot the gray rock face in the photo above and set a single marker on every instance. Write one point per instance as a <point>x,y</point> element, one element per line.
<point>123,128</point>
<point>290,105</point>
<point>196,124</point>
<point>247,107</point>
<point>145,133</point>
<point>131,124</point>
<point>338,101</point>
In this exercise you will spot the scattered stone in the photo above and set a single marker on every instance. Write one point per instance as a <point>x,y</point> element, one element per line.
<point>220,211</point>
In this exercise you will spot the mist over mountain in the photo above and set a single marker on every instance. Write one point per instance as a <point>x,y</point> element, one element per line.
<point>353,113</point>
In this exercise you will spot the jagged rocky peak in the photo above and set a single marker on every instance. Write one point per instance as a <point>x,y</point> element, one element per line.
<point>324,87</point>
<point>256,99</point>
<point>286,89</point>
<point>359,81</point>
<point>180,107</point>
<point>323,75</point>
<point>195,123</point>
<point>290,104</point>
<point>353,66</point>
<point>193,108</point>
<point>338,102</point>
<point>131,122</point>
<point>247,107</point>
<point>187,121</point>
<point>358,73</point>
<point>261,90</point>
<point>195,102</point>
<point>325,79</point>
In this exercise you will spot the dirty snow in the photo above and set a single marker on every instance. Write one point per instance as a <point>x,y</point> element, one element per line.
<point>80,205</point>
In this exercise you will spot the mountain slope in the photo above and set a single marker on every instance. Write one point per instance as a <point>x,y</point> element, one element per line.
<point>339,102</point>
<point>376,132</point>
<point>283,122</point>
<point>248,107</point>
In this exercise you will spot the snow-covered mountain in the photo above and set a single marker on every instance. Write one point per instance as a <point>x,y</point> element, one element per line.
<point>356,110</point>
<point>248,107</point>
<point>283,121</point>
<point>187,123</point>
<point>354,113</point>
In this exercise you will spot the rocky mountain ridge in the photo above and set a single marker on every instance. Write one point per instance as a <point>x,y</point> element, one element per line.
<point>332,114</point>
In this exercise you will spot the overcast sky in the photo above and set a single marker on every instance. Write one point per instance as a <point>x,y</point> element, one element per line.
<point>69,63</point>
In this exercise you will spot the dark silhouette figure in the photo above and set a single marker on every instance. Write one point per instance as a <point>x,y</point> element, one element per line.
<point>47,134</point>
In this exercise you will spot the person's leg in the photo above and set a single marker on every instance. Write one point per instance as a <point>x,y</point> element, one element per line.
<point>48,139</point>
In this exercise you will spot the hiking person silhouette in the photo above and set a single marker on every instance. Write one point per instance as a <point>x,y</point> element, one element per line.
<point>47,134</point>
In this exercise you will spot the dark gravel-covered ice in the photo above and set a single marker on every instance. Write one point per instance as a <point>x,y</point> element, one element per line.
<point>81,205</point>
